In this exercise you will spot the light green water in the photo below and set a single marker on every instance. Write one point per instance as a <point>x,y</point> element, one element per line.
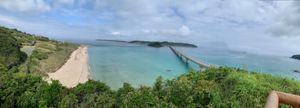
<point>115,63</point>
<point>137,65</point>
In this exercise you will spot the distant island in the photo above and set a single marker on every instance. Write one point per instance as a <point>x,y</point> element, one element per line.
<point>110,40</point>
<point>296,57</point>
<point>156,44</point>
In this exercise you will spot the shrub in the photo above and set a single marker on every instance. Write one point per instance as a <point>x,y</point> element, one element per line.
<point>10,54</point>
<point>214,87</point>
<point>39,55</point>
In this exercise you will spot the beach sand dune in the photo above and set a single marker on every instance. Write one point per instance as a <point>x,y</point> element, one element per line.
<point>75,70</point>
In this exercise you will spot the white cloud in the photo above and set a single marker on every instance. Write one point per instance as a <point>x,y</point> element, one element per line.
<point>28,6</point>
<point>52,29</point>
<point>184,30</point>
<point>287,20</point>
<point>244,24</point>
<point>8,21</point>
<point>115,33</point>
<point>60,3</point>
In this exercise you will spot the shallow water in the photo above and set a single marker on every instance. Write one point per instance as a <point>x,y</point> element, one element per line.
<point>137,65</point>
<point>115,63</point>
<point>275,65</point>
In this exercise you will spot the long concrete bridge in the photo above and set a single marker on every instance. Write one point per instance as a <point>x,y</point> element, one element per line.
<point>275,98</point>
<point>187,58</point>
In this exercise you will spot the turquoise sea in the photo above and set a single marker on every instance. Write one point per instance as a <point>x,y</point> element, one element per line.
<point>115,63</point>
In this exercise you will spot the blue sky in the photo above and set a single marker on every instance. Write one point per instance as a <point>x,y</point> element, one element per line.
<point>259,26</point>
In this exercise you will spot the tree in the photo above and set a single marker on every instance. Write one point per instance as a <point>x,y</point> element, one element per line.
<point>10,54</point>
<point>69,101</point>
<point>123,92</point>
<point>51,94</point>
<point>158,85</point>
<point>28,100</point>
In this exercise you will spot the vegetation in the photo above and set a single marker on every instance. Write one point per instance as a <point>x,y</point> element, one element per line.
<point>10,54</point>
<point>296,57</point>
<point>214,87</point>
<point>164,43</point>
<point>155,44</point>
<point>12,59</point>
<point>48,56</point>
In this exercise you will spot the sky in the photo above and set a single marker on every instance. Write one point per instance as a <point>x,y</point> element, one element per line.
<point>258,26</point>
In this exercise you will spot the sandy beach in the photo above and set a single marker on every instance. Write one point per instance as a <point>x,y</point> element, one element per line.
<point>75,70</point>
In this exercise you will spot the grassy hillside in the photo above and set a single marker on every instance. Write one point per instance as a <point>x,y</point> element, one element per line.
<point>10,54</point>
<point>215,88</point>
<point>47,56</point>
<point>44,55</point>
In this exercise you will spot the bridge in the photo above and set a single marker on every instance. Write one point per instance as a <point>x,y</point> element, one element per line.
<point>274,99</point>
<point>187,58</point>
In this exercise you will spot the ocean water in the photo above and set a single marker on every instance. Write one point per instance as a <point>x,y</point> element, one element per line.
<point>271,64</point>
<point>138,65</point>
<point>115,63</point>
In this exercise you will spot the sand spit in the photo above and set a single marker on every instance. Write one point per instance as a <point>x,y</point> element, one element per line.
<point>75,70</point>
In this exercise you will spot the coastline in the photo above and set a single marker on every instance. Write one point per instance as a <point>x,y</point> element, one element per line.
<point>76,69</point>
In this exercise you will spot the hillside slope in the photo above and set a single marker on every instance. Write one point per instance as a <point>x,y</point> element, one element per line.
<point>10,54</point>
<point>44,55</point>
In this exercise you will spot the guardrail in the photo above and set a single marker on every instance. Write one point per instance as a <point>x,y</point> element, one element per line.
<point>275,98</point>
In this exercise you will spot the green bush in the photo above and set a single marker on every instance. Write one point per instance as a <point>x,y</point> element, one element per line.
<point>42,38</point>
<point>2,67</point>
<point>39,55</point>
<point>214,88</point>
<point>10,54</point>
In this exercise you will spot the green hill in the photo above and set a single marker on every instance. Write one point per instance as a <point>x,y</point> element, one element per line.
<point>44,55</point>
<point>10,54</point>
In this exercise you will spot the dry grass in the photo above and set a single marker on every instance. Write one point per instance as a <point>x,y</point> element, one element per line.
<point>57,59</point>
<point>57,53</point>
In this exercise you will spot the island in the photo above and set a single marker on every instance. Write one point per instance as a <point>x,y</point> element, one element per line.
<point>158,44</point>
<point>297,71</point>
<point>155,44</point>
<point>296,57</point>
<point>111,40</point>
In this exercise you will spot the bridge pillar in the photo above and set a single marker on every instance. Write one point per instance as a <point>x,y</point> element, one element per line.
<point>186,60</point>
